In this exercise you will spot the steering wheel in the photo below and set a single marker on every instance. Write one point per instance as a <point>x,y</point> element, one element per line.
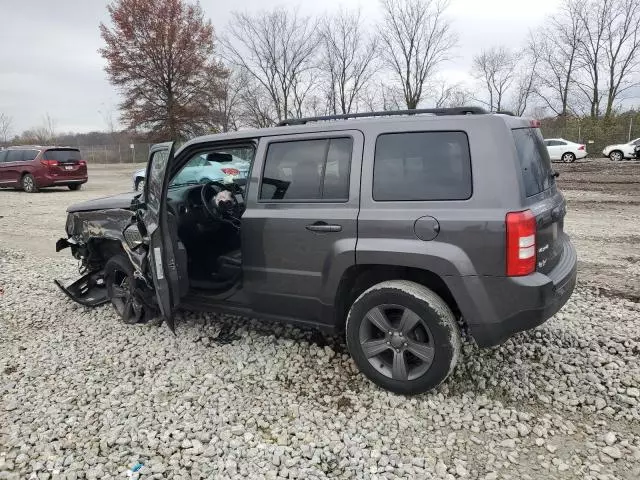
<point>208,194</point>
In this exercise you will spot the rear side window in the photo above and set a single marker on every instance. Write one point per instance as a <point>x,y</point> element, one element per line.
<point>422,166</point>
<point>534,160</point>
<point>307,170</point>
<point>3,155</point>
<point>62,155</point>
<point>29,155</point>
<point>14,156</point>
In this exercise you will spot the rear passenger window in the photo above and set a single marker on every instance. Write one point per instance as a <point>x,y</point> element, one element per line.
<point>422,166</point>
<point>307,170</point>
<point>3,155</point>
<point>29,155</point>
<point>14,156</point>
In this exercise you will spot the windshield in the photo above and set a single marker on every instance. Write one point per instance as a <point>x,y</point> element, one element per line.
<point>534,160</point>
<point>223,166</point>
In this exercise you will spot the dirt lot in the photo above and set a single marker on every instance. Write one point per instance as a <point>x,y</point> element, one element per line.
<point>84,396</point>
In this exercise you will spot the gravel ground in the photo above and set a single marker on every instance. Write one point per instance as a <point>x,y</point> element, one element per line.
<point>83,396</point>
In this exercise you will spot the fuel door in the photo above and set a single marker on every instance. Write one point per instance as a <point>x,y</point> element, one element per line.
<point>426,228</point>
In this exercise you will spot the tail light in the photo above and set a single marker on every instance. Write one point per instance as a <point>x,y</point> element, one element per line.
<point>49,163</point>
<point>534,123</point>
<point>581,147</point>
<point>231,171</point>
<point>82,163</point>
<point>521,243</point>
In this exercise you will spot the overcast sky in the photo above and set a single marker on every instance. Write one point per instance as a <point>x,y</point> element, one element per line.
<point>49,60</point>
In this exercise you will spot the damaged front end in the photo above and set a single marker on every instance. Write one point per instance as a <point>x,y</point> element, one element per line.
<point>95,236</point>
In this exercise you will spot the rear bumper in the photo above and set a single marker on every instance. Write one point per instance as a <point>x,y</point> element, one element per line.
<point>55,180</point>
<point>503,306</point>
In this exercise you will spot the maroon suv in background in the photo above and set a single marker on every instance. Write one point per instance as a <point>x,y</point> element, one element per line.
<point>33,167</point>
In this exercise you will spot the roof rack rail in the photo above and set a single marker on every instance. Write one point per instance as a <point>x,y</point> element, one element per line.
<point>389,113</point>
<point>506,112</point>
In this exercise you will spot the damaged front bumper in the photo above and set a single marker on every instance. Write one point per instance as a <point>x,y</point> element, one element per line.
<point>89,290</point>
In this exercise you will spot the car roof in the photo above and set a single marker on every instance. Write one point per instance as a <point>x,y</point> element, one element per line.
<point>362,124</point>
<point>40,147</point>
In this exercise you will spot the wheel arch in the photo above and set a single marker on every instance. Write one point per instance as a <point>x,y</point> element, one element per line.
<point>358,278</point>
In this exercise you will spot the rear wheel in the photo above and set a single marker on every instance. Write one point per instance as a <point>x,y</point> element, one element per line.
<point>29,183</point>
<point>74,187</point>
<point>616,156</point>
<point>120,282</point>
<point>568,157</point>
<point>403,337</point>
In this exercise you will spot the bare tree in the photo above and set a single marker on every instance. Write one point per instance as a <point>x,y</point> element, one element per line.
<point>495,67</point>
<point>621,49</point>
<point>44,134</point>
<point>526,83</point>
<point>593,16</point>
<point>555,49</point>
<point>348,59</point>
<point>6,124</point>
<point>277,48</point>
<point>416,38</point>
<point>445,94</point>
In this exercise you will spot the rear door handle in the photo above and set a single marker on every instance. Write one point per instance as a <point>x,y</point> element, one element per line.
<point>323,227</point>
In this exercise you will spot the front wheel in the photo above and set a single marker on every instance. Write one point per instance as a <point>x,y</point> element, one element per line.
<point>403,337</point>
<point>29,183</point>
<point>616,156</point>
<point>120,282</point>
<point>568,157</point>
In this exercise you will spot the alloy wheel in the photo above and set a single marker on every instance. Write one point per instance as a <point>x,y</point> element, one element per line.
<point>397,342</point>
<point>123,299</point>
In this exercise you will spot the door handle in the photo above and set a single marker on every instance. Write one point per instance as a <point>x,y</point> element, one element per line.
<point>323,227</point>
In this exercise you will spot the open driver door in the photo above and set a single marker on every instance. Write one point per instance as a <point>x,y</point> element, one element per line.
<point>167,257</point>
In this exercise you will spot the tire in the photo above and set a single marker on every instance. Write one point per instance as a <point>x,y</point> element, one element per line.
<point>435,337</point>
<point>616,156</point>
<point>139,184</point>
<point>120,282</point>
<point>568,157</point>
<point>28,183</point>
<point>75,187</point>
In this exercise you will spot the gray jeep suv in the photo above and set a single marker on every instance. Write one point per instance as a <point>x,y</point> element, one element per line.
<point>402,229</point>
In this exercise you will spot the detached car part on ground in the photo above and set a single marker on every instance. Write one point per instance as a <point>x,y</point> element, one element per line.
<point>374,227</point>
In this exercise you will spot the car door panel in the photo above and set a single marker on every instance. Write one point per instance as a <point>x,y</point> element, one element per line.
<point>295,252</point>
<point>162,258</point>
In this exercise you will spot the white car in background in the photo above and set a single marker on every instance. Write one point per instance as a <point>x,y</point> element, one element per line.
<point>621,151</point>
<point>561,149</point>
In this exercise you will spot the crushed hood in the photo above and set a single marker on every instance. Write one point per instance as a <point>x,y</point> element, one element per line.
<point>120,201</point>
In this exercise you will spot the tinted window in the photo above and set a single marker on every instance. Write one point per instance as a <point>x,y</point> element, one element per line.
<point>14,156</point>
<point>307,170</point>
<point>422,166</point>
<point>534,160</point>
<point>62,155</point>
<point>29,155</point>
<point>3,154</point>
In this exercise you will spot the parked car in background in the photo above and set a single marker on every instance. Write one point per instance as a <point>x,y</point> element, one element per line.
<point>34,167</point>
<point>402,229</point>
<point>217,166</point>
<point>621,151</point>
<point>565,150</point>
